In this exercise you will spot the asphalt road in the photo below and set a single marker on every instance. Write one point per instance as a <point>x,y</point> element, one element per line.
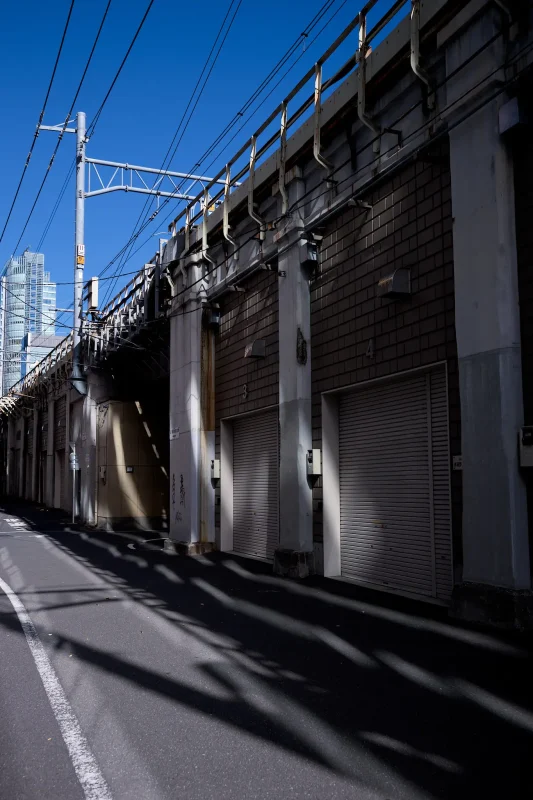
<point>142,675</point>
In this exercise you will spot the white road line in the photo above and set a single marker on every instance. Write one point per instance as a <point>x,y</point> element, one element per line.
<point>87,770</point>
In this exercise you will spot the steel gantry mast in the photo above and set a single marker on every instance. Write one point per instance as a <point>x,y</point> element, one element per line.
<point>135,172</point>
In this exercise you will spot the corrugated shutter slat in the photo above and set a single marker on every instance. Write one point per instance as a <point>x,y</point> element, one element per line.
<point>394,485</point>
<point>255,485</point>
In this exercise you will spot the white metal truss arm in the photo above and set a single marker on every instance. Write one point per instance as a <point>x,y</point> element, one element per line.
<point>139,190</point>
<point>154,171</point>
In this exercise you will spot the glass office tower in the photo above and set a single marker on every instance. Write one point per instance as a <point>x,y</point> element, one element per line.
<point>27,303</point>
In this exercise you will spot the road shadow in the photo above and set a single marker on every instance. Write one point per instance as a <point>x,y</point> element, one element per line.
<point>358,676</point>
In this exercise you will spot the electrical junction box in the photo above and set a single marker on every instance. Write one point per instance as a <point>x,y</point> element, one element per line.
<point>91,288</point>
<point>525,443</point>
<point>314,465</point>
<point>215,469</point>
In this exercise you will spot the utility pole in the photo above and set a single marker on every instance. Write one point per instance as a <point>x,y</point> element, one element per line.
<point>79,254</point>
<point>134,171</point>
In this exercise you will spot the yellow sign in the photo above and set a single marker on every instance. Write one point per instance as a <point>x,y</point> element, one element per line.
<point>80,260</point>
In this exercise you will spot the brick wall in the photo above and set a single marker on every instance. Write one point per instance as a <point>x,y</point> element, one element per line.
<point>410,225</point>
<point>245,317</point>
<point>523,159</point>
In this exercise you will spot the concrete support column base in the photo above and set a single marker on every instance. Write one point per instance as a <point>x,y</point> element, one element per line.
<point>294,563</point>
<point>187,548</point>
<point>509,609</point>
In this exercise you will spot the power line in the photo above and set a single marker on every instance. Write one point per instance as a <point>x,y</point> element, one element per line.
<point>94,123</point>
<point>396,165</point>
<point>167,162</point>
<point>273,73</point>
<point>41,117</point>
<point>186,125</point>
<point>474,55</point>
<point>444,132</point>
<point>135,237</point>
<point>28,319</point>
<point>69,283</point>
<point>28,305</point>
<point>370,143</point>
<point>62,132</point>
<point>56,205</point>
<point>301,38</point>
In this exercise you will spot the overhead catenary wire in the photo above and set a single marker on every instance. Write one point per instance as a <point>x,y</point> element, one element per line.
<point>370,144</point>
<point>41,117</point>
<point>147,222</point>
<point>68,283</point>
<point>92,125</point>
<point>240,114</point>
<point>62,131</point>
<point>438,136</point>
<point>444,132</point>
<point>27,305</point>
<point>166,160</point>
<point>57,203</point>
<point>185,122</point>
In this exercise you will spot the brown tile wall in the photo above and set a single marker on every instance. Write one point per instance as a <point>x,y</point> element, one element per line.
<point>410,225</point>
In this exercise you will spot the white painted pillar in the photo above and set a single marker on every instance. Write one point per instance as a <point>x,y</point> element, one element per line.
<point>21,441</point>
<point>191,429</point>
<point>34,490</point>
<point>50,455</point>
<point>66,501</point>
<point>88,455</point>
<point>495,523</point>
<point>295,554</point>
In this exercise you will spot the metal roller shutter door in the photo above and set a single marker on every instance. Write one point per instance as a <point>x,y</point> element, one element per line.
<point>256,485</point>
<point>60,425</point>
<point>395,486</point>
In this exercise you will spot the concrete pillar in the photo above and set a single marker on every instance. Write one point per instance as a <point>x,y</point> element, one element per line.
<point>86,445</point>
<point>495,529</point>
<point>295,554</point>
<point>34,479</point>
<point>66,500</point>
<point>21,442</point>
<point>192,438</point>
<point>50,455</point>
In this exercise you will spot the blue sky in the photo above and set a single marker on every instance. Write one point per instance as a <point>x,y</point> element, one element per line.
<point>144,109</point>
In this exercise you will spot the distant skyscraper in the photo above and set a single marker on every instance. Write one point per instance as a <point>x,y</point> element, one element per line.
<point>27,303</point>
